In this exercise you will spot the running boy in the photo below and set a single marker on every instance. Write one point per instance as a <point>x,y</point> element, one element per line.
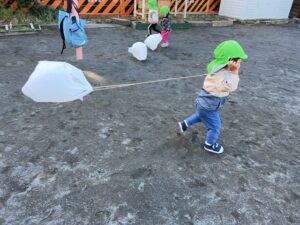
<point>221,80</point>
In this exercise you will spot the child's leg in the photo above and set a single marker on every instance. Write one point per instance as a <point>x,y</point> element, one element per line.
<point>155,28</point>
<point>183,125</point>
<point>149,28</point>
<point>167,36</point>
<point>164,36</point>
<point>212,122</point>
<point>192,119</point>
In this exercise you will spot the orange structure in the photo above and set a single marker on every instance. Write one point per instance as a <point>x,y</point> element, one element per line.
<point>11,4</point>
<point>95,7</point>
<point>126,7</point>
<point>195,6</point>
<point>88,7</point>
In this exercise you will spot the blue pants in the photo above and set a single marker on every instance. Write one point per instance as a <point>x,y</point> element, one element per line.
<point>211,120</point>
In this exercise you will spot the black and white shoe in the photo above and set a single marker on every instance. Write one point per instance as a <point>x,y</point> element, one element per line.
<point>183,126</point>
<point>215,148</point>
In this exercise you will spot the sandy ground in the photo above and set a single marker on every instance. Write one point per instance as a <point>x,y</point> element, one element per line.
<point>117,157</point>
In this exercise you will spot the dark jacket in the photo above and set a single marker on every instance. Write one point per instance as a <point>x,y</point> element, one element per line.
<point>166,22</point>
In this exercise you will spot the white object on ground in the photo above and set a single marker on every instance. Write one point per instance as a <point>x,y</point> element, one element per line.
<point>138,50</point>
<point>153,41</point>
<point>56,82</point>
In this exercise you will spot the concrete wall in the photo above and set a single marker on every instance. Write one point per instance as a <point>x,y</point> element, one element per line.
<point>256,9</point>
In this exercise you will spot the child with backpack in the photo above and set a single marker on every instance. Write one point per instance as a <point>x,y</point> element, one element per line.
<point>71,30</point>
<point>166,25</point>
<point>221,80</point>
<point>153,17</point>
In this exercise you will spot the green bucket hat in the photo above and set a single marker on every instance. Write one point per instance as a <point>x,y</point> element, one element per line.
<point>226,50</point>
<point>164,10</point>
<point>152,4</point>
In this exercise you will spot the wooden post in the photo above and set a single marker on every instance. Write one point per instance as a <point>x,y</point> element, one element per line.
<point>79,51</point>
<point>134,10</point>
<point>143,9</point>
<point>208,6</point>
<point>122,7</point>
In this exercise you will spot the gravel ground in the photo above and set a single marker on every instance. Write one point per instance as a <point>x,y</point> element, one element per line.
<point>117,157</point>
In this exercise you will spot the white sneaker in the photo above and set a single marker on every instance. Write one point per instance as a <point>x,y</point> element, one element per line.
<point>163,45</point>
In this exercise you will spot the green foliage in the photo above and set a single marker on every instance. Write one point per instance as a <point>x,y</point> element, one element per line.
<point>5,14</point>
<point>36,14</point>
<point>43,13</point>
<point>20,17</point>
<point>21,28</point>
<point>24,3</point>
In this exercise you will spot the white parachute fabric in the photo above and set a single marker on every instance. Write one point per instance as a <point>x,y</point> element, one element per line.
<point>153,41</point>
<point>139,51</point>
<point>56,82</point>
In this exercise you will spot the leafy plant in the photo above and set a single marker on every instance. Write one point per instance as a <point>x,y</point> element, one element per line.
<point>43,13</point>
<point>5,14</point>
<point>21,28</point>
<point>24,3</point>
<point>36,13</point>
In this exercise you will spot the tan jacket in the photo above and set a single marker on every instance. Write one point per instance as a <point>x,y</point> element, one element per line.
<point>221,83</point>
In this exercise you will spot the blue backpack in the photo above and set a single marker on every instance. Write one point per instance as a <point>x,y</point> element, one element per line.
<point>71,31</point>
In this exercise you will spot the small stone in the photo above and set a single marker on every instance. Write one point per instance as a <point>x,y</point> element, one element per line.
<point>126,141</point>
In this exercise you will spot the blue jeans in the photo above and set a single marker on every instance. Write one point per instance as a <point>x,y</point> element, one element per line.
<point>211,120</point>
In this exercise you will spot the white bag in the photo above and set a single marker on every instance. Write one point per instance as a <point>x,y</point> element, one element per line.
<point>138,50</point>
<point>56,82</point>
<point>153,41</point>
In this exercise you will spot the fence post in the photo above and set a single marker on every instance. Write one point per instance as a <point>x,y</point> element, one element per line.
<point>143,9</point>
<point>185,8</point>
<point>208,6</point>
<point>122,7</point>
<point>134,10</point>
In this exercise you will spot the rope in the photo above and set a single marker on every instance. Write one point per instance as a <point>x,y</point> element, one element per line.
<point>101,88</point>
